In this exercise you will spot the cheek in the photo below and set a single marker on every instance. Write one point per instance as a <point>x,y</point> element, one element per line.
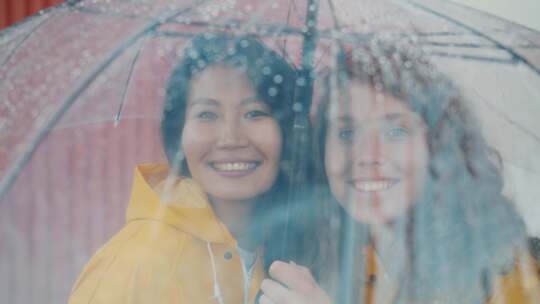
<point>414,161</point>
<point>335,164</point>
<point>267,138</point>
<point>195,140</point>
<point>334,159</point>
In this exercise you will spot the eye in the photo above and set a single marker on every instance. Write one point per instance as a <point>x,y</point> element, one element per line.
<point>346,135</point>
<point>206,115</point>
<point>397,133</point>
<point>256,113</point>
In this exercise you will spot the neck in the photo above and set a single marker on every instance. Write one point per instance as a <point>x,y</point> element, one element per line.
<point>237,216</point>
<point>389,242</point>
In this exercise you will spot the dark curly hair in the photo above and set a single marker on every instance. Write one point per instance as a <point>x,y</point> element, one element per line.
<point>463,231</point>
<point>270,75</point>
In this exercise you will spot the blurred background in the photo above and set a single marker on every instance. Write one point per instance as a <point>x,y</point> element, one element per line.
<point>12,11</point>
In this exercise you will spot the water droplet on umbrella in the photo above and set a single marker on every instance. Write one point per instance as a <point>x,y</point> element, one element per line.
<point>278,79</point>
<point>266,70</point>
<point>193,54</point>
<point>272,92</point>
<point>244,43</point>
<point>408,64</point>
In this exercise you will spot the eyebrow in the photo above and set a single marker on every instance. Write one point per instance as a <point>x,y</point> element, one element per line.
<point>342,118</point>
<point>389,117</point>
<point>213,102</point>
<point>392,117</point>
<point>204,101</point>
<point>251,99</point>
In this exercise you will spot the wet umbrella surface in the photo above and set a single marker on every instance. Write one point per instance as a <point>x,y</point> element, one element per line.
<point>83,87</point>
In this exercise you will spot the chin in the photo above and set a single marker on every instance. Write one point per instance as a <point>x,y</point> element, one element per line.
<point>365,212</point>
<point>235,195</point>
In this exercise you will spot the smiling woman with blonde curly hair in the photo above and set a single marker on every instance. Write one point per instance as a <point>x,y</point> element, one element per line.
<point>411,191</point>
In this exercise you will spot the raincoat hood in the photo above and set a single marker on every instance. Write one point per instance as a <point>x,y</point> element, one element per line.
<point>175,201</point>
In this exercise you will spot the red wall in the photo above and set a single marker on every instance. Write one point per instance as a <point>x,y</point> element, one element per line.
<point>12,11</point>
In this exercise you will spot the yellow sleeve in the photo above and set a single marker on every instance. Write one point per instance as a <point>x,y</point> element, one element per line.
<point>521,286</point>
<point>129,269</point>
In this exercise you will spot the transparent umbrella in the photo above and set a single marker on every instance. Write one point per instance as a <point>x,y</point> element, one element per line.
<point>83,85</point>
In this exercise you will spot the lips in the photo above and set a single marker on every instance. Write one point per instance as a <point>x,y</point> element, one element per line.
<point>373,185</point>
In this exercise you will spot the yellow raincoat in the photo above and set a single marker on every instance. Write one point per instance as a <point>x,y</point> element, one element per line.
<point>520,286</point>
<point>173,249</point>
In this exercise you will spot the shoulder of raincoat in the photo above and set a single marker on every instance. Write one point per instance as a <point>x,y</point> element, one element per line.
<point>172,249</point>
<point>520,285</point>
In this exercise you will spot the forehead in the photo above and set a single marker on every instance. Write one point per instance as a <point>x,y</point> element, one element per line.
<point>221,84</point>
<point>363,103</point>
<point>220,75</point>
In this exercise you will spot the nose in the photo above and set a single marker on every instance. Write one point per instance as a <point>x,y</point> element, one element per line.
<point>232,135</point>
<point>368,151</point>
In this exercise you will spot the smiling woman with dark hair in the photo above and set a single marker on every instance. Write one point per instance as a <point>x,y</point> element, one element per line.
<point>196,228</point>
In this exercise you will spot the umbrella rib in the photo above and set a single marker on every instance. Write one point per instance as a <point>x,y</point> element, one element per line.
<point>472,57</point>
<point>283,47</point>
<point>14,171</point>
<point>334,15</point>
<point>68,4</point>
<point>87,10</point>
<point>24,39</point>
<point>460,45</point>
<point>509,120</point>
<point>237,25</point>
<point>128,81</point>
<point>497,43</point>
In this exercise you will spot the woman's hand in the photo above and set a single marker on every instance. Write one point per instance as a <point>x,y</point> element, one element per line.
<point>291,284</point>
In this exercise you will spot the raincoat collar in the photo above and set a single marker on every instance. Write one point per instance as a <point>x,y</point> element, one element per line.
<point>175,201</point>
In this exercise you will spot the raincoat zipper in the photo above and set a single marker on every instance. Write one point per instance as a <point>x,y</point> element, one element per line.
<point>247,273</point>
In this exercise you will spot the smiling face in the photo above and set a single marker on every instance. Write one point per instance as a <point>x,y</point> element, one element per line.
<point>231,141</point>
<point>376,155</point>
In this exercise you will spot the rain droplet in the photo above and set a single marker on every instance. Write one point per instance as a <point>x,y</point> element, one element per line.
<point>272,92</point>
<point>193,54</point>
<point>408,64</point>
<point>297,107</point>
<point>244,43</point>
<point>312,8</point>
<point>278,79</point>
<point>266,70</point>
<point>301,82</point>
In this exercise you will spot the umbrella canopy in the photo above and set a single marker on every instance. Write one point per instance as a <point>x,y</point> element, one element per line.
<point>82,87</point>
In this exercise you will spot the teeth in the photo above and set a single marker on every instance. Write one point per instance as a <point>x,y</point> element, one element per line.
<point>236,166</point>
<point>370,186</point>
